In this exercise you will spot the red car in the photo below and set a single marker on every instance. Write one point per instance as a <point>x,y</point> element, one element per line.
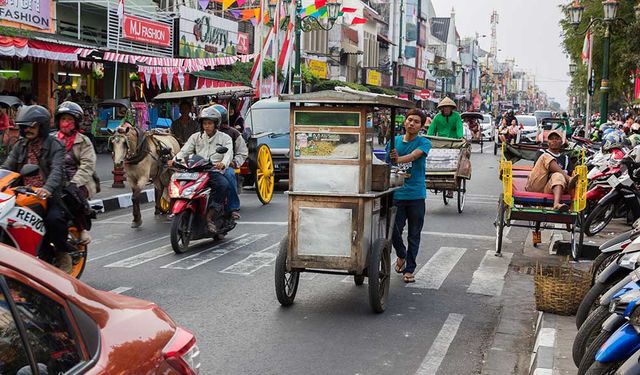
<point>51,323</point>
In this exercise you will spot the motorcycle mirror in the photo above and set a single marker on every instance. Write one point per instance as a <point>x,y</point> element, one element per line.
<point>29,170</point>
<point>222,150</point>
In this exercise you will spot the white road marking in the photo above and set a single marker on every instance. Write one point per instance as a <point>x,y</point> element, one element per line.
<point>435,272</point>
<point>488,279</point>
<point>432,361</point>
<point>123,215</point>
<point>127,248</point>
<point>120,290</point>
<point>487,147</point>
<point>215,252</point>
<point>253,262</point>
<point>394,258</point>
<point>461,235</point>
<point>308,275</point>
<point>263,222</point>
<point>112,222</point>
<point>142,258</point>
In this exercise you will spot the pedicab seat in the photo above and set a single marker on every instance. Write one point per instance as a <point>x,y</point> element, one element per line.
<point>521,196</point>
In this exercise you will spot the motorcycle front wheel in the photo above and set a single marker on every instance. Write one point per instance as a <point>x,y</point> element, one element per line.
<point>78,253</point>
<point>599,218</point>
<point>181,232</point>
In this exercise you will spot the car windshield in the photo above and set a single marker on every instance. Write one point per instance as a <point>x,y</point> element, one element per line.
<point>270,120</point>
<point>486,119</point>
<point>528,122</point>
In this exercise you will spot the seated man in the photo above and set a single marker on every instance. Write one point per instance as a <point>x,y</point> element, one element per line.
<point>551,173</point>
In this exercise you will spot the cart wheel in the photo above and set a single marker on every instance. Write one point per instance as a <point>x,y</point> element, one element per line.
<point>462,188</point>
<point>481,145</point>
<point>495,148</point>
<point>499,226</point>
<point>576,246</point>
<point>379,271</point>
<point>264,175</point>
<point>444,197</point>
<point>358,279</point>
<point>286,282</point>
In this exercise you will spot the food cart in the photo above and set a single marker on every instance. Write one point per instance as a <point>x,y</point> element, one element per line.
<point>449,168</point>
<point>340,197</point>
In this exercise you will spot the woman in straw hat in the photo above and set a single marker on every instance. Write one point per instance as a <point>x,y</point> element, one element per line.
<point>448,122</point>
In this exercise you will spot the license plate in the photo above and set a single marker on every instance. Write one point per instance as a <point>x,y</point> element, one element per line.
<point>186,176</point>
<point>613,181</point>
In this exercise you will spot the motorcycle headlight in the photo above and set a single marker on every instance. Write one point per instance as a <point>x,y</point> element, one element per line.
<point>174,191</point>
<point>629,261</point>
<point>619,304</point>
<point>189,191</point>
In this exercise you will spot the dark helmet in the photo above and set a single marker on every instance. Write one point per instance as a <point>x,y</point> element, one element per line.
<point>27,115</point>
<point>209,113</point>
<point>69,108</point>
<point>224,114</point>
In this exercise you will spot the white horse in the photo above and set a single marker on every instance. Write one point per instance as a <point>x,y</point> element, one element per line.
<point>143,156</point>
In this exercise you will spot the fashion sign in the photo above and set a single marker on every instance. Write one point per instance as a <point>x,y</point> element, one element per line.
<point>145,31</point>
<point>36,13</point>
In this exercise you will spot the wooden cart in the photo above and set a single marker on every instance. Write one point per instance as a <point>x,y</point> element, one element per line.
<point>449,168</point>
<point>340,203</point>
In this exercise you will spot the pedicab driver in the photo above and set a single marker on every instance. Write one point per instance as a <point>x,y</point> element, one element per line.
<point>410,150</point>
<point>448,122</point>
<point>551,173</point>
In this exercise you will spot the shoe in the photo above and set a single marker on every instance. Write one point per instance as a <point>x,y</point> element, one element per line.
<point>235,215</point>
<point>64,262</point>
<point>449,193</point>
<point>85,237</point>
<point>211,227</point>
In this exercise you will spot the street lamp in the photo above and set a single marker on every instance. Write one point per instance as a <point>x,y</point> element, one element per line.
<point>572,68</point>
<point>575,13</point>
<point>637,11</point>
<point>272,10</point>
<point>610,9</point>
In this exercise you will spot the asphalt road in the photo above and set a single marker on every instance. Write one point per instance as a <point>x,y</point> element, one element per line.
<point>224,292</point>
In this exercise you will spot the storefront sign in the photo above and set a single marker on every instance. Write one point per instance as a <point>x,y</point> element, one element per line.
<point>145,31</point>
<point>243,43</point>
<point>318,68</point>
<point>425,94</point>
<point>408,74</point>
<point>431,85</point>
<point>373,77</point>
<point>36,13</point>
<point>205,35</point>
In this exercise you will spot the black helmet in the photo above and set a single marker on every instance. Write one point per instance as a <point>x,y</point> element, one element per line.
<point>209,113</point>
<point>69,108</point>
<point>27,115</point>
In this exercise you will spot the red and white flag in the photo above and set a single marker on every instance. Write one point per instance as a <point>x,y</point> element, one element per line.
<point>120,9</point>
<point>586,47</point>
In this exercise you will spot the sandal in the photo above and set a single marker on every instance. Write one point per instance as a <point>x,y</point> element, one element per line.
<point>562,207</point>
<point>400,266</point>
<point>408,278</point>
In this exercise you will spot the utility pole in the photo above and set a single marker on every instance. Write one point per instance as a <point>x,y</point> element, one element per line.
<point>400,61</point>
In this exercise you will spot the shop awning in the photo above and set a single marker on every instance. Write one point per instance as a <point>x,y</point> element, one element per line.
<point>384,39</point>
<point>21,47</point>
<point>350,49</point>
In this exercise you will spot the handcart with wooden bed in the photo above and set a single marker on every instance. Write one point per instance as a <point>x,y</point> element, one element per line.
<point>340,196</point>
<point>520,208</point>
<point>448,168</point>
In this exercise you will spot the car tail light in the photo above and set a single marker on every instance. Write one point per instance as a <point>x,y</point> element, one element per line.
<point>182,352</point>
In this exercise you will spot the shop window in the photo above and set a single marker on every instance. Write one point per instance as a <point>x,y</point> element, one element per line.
<point>371,50</point>
<point>48,332</point>
<point>12,354</point>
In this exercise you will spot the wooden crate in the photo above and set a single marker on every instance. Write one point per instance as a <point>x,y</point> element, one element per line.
<point>380,177</point>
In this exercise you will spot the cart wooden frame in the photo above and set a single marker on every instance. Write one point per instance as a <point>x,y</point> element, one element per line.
<point>337,223</point>
<point>450,180</point>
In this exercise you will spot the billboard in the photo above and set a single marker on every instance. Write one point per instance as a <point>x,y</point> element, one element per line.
<point>205,35</point>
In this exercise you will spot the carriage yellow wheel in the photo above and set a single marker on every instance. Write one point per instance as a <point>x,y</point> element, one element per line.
<point>265,179</point>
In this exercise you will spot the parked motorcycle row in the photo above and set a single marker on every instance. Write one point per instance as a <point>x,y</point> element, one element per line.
<point>608,318</point>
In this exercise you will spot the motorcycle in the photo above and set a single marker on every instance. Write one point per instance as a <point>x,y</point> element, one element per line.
<point>22,220</point>
<point>190,195</point>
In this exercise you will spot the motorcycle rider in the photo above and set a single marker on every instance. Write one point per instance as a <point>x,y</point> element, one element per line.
<point>37,146</point>
<point>240,153</point>
<point>79,160</point>
<point>204,144</point>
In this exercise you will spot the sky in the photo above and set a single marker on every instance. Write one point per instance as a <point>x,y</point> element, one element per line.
<point>528,31</point>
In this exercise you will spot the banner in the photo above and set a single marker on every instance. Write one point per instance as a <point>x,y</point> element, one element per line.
<point>205,35</point>
<point>318,68</point>
<point>373,77</point>
<point>34,13</point>
<point>146,31</point>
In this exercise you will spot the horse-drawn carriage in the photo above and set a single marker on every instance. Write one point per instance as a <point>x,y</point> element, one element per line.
<point>259,166</point>
<point>110,115</point>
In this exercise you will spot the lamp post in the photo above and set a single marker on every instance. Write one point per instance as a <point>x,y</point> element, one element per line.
<point>307,24</point>
<point>610,10</point>
<point>573,68</point>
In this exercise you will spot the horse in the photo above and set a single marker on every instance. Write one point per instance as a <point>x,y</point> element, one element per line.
<point>143,156</point>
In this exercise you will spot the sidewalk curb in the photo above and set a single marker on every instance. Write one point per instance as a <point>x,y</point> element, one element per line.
<point>543,349</point>
<point>122,201</point>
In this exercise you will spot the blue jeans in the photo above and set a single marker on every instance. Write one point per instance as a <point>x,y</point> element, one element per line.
<point>233,201</point>
<point>219,188</point>
<point>411,211</point>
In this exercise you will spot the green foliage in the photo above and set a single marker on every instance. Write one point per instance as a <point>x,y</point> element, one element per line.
<point>11,31</point>
<point>307,77</point>
<point>330,85</point>
<point>382,90</point>
<point>625,49</point>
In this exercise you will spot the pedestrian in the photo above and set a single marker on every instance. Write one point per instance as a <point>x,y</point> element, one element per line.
<point>410,152</point>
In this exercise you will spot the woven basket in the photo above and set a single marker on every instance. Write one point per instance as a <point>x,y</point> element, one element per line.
<point>560,289</point>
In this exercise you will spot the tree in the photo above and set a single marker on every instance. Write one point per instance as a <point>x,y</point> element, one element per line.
<point>624,52</point>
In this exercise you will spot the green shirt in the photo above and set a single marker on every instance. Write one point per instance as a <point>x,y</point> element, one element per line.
<point>448,127</point>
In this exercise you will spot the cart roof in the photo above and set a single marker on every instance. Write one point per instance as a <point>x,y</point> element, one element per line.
<point>237,91</point>
<point>10,100</point>
<point>473,115</point>
<point>115,103</point>
<point>348,96</point>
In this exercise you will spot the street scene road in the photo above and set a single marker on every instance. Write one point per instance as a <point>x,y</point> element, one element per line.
<point>224,292</point>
